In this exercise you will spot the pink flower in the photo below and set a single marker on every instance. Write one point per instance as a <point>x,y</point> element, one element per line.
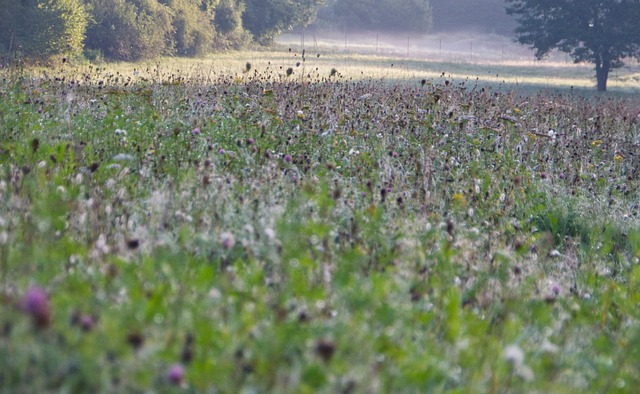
<point>195,131</point>
<point>175,374</point>
<point>36,304</point>
<point>287,158</point>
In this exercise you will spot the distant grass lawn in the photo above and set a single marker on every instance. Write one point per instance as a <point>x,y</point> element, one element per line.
<point>242,223</point>
<point>317,65</point>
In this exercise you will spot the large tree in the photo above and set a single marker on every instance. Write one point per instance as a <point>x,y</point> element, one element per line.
<point>601,32</point>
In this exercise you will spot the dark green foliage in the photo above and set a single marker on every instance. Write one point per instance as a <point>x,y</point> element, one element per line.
<point>228,25</point>
<point>228,16</point>
<point>593,31</point>
<point>192,31</point>
<point>266,18</point>
<point>42,28</point>
<point>129,30</point>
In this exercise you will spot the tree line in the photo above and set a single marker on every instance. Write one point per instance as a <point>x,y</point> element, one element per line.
<point>130,30</point>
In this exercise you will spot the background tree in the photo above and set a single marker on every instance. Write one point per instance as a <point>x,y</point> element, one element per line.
<point>486,16</point>
<point>193,32</point>
<point>384,15</point>
<point>595,31</point>
<point>129,30</point>
<point>42,28</point>
<point>265,19</point>
<point>227,20</point>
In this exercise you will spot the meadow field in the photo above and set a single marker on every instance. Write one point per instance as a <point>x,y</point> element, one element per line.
<point>263,222</point>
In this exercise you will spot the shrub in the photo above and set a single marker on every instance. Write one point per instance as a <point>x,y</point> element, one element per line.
<point>129,31</point>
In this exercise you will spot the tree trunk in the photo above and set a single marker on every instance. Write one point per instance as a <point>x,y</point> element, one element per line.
<point>602,74</point>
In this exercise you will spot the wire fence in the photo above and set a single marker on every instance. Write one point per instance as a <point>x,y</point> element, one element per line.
<point>454,47</point>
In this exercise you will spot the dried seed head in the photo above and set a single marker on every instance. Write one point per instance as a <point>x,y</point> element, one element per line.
<point>135,339</point>
<point>325,349</point>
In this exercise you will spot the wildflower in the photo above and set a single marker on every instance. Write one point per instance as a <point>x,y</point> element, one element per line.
<point>618,157</point>
<point>287,158</point>
<point>458,198</point>
<point>549,347</point>
<point>596,143</point>
<point>36,304</point>
<point>175,374</point>
<point>515,356</point>
<point>554,253</point>
<point>86,322</point>
<point>227,240</point>
<point>122,157</point>
<point>195,131</point>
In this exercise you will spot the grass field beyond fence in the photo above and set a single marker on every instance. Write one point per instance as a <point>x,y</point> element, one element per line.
<point>253,225</point>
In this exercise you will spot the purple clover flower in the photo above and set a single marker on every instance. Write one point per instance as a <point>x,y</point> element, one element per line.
<point>175,374</point>
<point>36,304</point>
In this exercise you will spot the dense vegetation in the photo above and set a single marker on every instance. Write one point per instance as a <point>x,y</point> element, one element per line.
<point>281,230</point>
<point>142,29</point>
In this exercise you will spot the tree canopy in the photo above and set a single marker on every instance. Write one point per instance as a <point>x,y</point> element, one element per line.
<point>42,28</point>
<point>132,30</point>
<point>594,31</point>
<point>266,18</point>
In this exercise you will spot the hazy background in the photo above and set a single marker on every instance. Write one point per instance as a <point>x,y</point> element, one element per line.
<point>475,31</point>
